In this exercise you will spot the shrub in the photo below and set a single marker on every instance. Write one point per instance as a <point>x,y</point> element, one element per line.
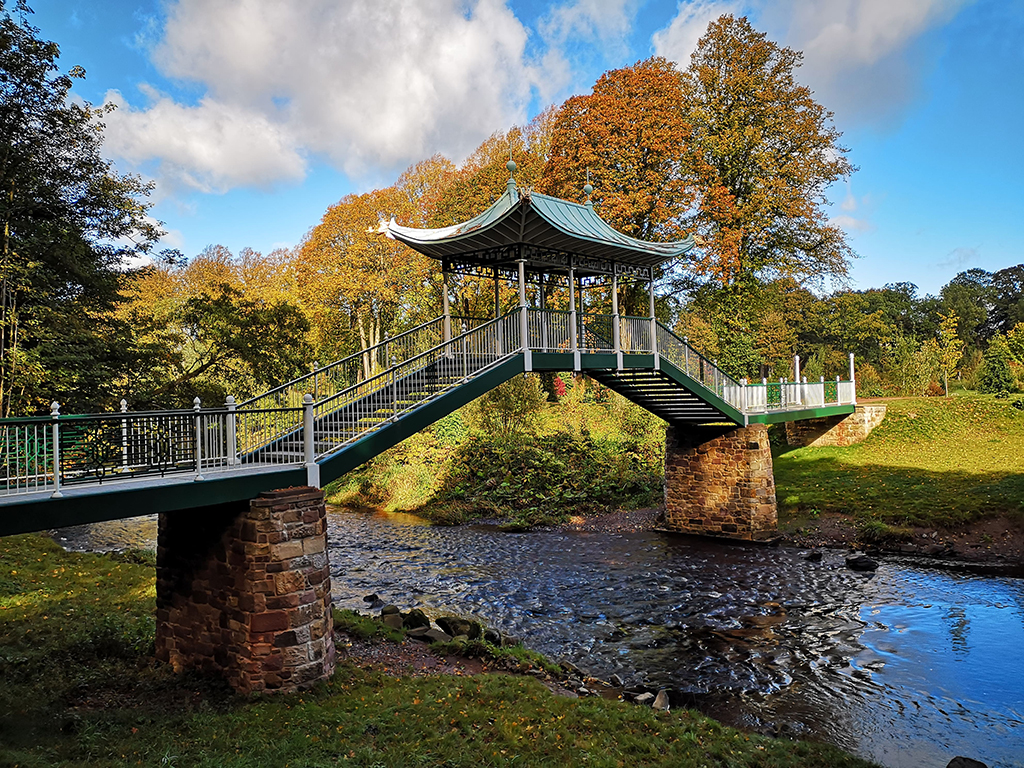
<point>995,375</point>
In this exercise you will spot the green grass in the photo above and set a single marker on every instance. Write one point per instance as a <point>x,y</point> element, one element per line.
<point>79,688</point>
<point>932,462</point>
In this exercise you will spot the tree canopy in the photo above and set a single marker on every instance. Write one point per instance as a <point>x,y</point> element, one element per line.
<point>67,222</point>
<point>760,156</point>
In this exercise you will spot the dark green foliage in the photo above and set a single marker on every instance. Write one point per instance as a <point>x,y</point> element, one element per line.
<point>544,479</point>
<point>995,375</point>
<point>67,223</point>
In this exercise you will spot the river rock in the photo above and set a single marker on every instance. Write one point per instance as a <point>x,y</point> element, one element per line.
<point>661,701</point>
<point>861,563</point>
<point>814,556</point>
<point>644,699</point>
<point>436,636</point>
<point>388,610</point>
<point>373,598</point>
<point>454,625</point>
<point>418,633</point>
<point>965,762</point>
<point>415,618</point>
<point>615,681</point>
<point>393,620</point>
<point>493,637</point>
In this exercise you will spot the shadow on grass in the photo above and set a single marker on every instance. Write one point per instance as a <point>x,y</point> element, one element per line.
<point>895,494</point>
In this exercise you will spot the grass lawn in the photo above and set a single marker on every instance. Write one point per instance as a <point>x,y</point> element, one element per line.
<point>933,461</point>
<point>78,687</point>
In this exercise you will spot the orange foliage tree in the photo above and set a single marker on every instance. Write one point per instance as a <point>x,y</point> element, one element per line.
<point>628,134</point>
<point>760,156</point>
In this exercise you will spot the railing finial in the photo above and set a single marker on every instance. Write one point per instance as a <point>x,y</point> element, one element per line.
<point>55,409</point>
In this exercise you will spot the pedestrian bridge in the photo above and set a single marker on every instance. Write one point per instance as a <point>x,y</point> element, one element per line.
<point>70,469</point>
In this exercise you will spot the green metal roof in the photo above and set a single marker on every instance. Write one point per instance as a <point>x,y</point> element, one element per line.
<point>550,233</point>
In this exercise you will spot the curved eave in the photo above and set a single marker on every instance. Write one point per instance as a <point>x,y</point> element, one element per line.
<point>541,221</point>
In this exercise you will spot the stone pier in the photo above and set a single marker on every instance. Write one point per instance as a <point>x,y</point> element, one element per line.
<point>719,482</point>
<point>244,591</point>
<point>835,430</point>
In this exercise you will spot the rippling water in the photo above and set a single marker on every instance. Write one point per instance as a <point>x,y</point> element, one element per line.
<point>909,666</point>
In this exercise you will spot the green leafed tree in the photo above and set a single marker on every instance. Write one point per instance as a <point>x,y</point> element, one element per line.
<point>67,223</point>
<point>761,155</point>
<point>996,375</point>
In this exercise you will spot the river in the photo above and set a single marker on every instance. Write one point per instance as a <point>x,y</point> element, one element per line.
<point>908,666</point>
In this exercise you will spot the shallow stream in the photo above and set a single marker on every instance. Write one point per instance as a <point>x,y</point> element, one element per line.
<point>909,666</point>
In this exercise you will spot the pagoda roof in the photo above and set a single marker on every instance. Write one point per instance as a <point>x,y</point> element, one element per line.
<point>551,234</point>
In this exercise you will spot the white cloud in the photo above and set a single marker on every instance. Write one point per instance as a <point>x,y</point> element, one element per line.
<point>679,39</point>
<point>368,85</point>
<point>852,223</point>
<point>860,56</point>
<point>210,147</point>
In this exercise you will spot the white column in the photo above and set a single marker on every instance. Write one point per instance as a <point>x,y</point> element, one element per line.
<point>232,429</point>
<point>445,309</point>
<point>616,331</point>
<point>543,315</point>
<point>574,344</point>
<point>654,324</point>
<point>524,318</point>
<point>853,380</point>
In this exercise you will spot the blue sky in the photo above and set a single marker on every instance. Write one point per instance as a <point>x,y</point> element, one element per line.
<point>254,117</point>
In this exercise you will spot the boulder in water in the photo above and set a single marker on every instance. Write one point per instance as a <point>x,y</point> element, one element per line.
<point>965,762</point>
<point>861,563</point>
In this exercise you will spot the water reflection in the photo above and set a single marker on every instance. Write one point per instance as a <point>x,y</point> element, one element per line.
<point>910,666</point>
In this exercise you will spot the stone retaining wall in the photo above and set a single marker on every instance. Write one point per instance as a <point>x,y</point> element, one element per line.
<point>835,430</point>
<point>719,481</point>
<point>244,591</point>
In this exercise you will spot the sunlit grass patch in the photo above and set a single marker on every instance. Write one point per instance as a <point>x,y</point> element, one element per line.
<point>933,461</point>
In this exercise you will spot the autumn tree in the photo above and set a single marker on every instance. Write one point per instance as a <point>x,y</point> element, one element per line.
<point>760,156</point>
<point>68,222</point>
<point>357,285</point>
<point>951,347</point>
<point>214,326</point>
<point>626,137</point>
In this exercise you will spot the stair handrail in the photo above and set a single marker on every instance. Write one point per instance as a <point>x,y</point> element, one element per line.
<point>727,378</point>
<point>507,323</point>
<point>359,356</point>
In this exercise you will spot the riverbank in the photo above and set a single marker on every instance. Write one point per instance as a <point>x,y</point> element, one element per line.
<point>940,477</point>
<point>80,687</point>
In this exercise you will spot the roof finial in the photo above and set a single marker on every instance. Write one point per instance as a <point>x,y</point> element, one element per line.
<point>511,166</point>
<point>588,190</point>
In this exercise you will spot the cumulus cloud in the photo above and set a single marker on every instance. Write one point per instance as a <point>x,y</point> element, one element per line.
<point>861,57</point>
<point>367,85</point>
<point>679,39</point>
<point>852,223</point>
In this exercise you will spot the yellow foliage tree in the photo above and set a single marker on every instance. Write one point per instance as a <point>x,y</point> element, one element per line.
<point>357,285</point>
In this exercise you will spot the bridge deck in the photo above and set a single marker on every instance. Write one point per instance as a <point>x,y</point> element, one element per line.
<point>127,464</point>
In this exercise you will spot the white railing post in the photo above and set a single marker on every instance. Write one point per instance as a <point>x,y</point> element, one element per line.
<point>309,442</point>
<point>839,399</point>
<point>197,408</point>
<point>853,382</point>
<point>124,437</point>
<point>823,390</point>
<point>232,436</point>
<point>686,355</point>
<point>55,434</point>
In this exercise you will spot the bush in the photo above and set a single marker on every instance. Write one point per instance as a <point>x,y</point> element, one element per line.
<point>995,375</point>
<point>511,409</point>
<point>869,383</point>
